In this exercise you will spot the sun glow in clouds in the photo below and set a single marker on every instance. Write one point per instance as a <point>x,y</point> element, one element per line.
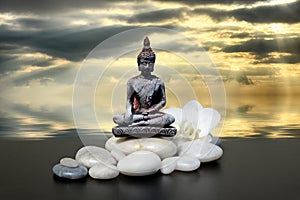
<point>79,22</point>
<point>271,3</point>
<point>278,28</point>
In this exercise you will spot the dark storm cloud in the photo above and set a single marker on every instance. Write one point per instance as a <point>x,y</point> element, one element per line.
<point>17,64</point>
<point>49,6</point>
<point>7,123</point>
<point>57,74</point>
<point>240,35</point>
<point>244,108</point>
<point>245,76</point>
<point>8,63</point>
<point>32,23</point>
<point>290,59</point>
<point>10,60</point>
<point>157,15</point>
<point>243,79</point>
<point>55,6</point>
<point>6,47</point>
<point>58,114</point>
<point>42,63</point>
<point>261,47</point>
<point>6,58</point>
<point>45,81</point>
<point>285,13</point>
<point>261,71</point>
<point>72,45</point>
<point>29,23</point>
<point>205,2</point>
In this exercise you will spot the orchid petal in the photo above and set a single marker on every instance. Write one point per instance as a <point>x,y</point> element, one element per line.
<point>190,114</point>
<point>208,120</point>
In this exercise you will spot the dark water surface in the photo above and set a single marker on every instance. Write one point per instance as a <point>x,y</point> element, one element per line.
<point>249,169</point>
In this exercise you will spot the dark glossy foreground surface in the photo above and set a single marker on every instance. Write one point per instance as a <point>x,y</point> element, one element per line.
<point>249,169</point>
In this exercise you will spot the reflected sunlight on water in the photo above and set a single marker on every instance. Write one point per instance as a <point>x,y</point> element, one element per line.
<point>250,116</point>
<point>263,116</point>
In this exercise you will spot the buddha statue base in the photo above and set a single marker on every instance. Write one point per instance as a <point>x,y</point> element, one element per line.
<point>143,131</point>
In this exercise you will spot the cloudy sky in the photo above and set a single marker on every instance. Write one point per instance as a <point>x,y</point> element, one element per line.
<point>255,45</point>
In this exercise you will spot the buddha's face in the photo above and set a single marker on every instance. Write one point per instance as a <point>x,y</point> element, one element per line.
<point>146,65</point>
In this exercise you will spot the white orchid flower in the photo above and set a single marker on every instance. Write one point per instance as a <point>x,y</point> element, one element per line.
<point>193,121</point>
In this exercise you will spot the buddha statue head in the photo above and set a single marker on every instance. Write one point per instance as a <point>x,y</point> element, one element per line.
<point>146,57</point>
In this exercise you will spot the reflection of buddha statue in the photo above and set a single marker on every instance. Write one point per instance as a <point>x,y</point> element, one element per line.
<point>145,95</point>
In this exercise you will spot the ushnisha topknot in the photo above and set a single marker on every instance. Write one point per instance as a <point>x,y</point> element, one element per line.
<point>146,42</point>
<point>146,52</point>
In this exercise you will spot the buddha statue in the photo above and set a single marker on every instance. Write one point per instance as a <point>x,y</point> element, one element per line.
<point>145,95</point>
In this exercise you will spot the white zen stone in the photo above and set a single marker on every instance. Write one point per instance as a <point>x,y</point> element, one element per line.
<point>187,164</point>
<point>162,147</point>
<point>168,165</point>
<point>179,140</point>
<point>118,155</point>
<point>68,162</point>
<point>140,163</point>
<point>202,150</point>
<point>103,171</point>
<point>91,155</point>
